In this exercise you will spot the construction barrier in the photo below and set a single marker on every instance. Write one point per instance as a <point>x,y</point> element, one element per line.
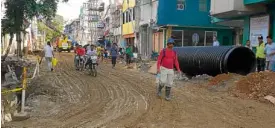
<point>24,84</point>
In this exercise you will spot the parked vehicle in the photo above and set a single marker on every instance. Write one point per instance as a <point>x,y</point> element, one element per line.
<point>64,44</point>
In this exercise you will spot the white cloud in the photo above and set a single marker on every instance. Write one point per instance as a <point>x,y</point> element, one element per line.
<point>71,9</point>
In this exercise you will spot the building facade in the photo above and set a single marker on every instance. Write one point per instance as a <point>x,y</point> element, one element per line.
<point>190,23</point>
<point>128,22</point>
<point>252,17</point>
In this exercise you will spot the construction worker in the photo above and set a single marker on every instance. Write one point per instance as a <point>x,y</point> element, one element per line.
<point>165,67</point>
<point>260,54</point>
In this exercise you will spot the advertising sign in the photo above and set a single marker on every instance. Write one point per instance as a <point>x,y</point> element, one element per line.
<point>259,26</point>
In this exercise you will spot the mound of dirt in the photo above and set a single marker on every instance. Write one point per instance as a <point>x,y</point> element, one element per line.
<point>256,85</point>
<point>220,78</point>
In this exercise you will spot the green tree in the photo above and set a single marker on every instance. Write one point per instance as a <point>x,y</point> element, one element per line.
<point>52,28</point>
<point>20,11</point>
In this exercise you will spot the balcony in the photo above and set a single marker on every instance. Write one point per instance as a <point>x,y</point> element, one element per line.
<point>234,8</point>
<point>255,1</point>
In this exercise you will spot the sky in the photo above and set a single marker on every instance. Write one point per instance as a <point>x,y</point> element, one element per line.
<point>71,9</point>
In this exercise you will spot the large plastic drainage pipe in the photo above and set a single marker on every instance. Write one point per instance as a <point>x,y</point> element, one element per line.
<point>216,60</point>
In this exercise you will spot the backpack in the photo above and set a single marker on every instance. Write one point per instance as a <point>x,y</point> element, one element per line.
<point>164,50</point>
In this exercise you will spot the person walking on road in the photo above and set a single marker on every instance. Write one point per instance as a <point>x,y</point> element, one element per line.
<point>114,53</point>
<point>270,54</point>
<point>260,54</point>
<point>129,55</point>
<point>165,67</point>
<point>49,54</point>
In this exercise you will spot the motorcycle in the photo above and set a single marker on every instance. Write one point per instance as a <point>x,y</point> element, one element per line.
<point>80,63</point>
<point>92,63</point>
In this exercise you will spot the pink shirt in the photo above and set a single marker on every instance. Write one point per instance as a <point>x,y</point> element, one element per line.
<point>169,60</point>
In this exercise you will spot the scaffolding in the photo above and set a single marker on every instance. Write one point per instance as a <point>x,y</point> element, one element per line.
<point>95,10</point>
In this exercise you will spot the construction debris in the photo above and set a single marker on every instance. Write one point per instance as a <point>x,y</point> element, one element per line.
<point>270,98</point>
<point>219,78</point>
<point>256,85</point>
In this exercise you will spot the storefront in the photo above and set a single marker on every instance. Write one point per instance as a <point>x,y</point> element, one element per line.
<point>201,36</point>
<point>259,25</point>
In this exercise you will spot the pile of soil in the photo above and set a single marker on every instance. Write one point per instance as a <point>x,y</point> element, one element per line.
<point>219,79</point>
<point>256,85</point>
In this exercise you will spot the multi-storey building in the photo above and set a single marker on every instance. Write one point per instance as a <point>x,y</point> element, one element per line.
<point>251,18</point>
<point>188,21</point>
<point>128,22</point>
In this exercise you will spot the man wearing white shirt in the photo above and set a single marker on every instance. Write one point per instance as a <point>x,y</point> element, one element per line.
<point>48,50</point>
<point>215,41</point>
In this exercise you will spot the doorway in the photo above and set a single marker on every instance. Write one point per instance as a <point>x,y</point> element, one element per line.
<point>208,37</point>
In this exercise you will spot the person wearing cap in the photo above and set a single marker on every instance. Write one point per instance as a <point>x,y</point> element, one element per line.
<point>270,54</point>
<point>260,54</point>
<point>165,67</point>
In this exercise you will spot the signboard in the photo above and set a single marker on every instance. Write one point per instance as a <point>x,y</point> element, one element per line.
<point>180,4</point>
<point>259,26</point>
<point>195,39</point>
<point>100,25</point>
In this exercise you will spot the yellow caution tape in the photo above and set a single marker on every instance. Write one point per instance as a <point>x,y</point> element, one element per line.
<point>13,90</point>
<point>24,86</point>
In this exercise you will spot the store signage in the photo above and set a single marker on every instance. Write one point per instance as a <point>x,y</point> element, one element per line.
<point>100,25</point>
<point>259,26</point>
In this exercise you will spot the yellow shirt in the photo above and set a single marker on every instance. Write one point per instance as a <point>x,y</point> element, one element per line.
<point>260,51</point>
<point>98,50</point>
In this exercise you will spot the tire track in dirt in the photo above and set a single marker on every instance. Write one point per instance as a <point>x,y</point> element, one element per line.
<point>123,98</point>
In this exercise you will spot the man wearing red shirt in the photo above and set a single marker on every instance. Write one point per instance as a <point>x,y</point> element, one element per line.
<point>165,67</point>
<point>79,51</point>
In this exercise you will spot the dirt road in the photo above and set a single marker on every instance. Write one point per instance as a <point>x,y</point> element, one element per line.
<point>126,99</point>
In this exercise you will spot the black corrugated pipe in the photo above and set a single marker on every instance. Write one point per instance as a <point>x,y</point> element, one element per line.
<point>215,60</point>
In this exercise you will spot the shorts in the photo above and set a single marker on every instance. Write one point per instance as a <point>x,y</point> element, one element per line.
<point>105,55</point>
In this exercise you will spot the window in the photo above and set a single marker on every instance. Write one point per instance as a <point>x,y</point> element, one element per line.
<point>209,37</point>
<point>178,35</point>
<point>129,15</point>
<point>203,5</point>
<point>193,38</point>
<point>134,13</point>
<point>123,18</point>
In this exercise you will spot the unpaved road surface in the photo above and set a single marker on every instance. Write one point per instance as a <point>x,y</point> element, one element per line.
<point>119,98</point>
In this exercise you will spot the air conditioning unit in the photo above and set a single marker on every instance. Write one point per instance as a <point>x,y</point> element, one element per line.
<point>151,21</point>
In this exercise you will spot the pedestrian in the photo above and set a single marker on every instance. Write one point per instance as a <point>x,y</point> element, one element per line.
<point>260,54</point>
<point>129,55</point>
<point>215,41</point>
<point>49,54</point>
<point>270,54</point>
<point>248,45</point>
<point>114,53</point>
<point>165,67</point>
